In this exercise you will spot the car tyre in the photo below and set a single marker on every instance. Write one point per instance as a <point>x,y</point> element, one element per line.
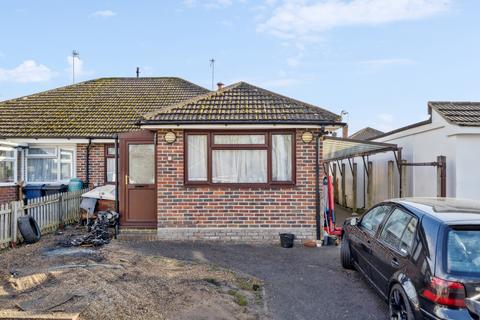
<point>29,229</point>
<point>399,305</point>
<point>345,255</point>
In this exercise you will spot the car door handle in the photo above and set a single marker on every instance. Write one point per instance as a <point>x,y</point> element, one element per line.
<point>395,263</point>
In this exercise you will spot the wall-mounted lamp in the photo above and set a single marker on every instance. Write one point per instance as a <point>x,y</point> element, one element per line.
<point>170,137</point>
<point>307,137</point>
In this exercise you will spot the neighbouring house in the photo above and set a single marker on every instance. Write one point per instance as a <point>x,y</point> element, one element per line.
<point>366,133</point>
<point>452,131</point>
<point>236,163</point>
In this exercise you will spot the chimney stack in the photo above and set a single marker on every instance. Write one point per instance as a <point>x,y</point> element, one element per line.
<point>345,131</point>
<point>220,85</point>
<point>138,72</point>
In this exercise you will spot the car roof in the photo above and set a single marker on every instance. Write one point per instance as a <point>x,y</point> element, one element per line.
<point>447,210</point>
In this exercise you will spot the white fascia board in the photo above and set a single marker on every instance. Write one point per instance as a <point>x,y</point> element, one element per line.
<point>26,141</point>
<point>11,143</point>
<point>238,126</point>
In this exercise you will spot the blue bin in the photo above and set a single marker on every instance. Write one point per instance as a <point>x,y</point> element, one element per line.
<point>75,184</point>
<point>33,191</point>
<point>54,189</point>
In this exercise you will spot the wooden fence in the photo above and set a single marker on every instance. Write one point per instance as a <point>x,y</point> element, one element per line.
<point>49,211</point>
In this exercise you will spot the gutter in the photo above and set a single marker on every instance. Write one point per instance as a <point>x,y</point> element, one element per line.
<point>250,122</point>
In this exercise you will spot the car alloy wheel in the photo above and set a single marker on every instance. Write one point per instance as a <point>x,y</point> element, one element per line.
<point>398,305</point>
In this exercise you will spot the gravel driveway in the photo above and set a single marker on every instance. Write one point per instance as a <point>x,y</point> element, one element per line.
<point>300,283</point>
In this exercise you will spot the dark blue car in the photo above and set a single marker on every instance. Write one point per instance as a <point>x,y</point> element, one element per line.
<point>421,254</point>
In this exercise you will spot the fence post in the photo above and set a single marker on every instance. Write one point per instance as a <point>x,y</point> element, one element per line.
<point>61,218</point>
<point>15,207</point>
<point>344,194</point>
<point>354,187</point>
<point>370,185</point>
<point>390,180</point>
<point>442,176</point>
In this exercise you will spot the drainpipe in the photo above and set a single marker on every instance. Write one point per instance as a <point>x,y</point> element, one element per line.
<point>317,185</point>
<point>87,163</point>
<point>116,175</point>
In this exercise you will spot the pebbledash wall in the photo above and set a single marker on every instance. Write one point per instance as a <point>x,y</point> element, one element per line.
<point>233,213</point>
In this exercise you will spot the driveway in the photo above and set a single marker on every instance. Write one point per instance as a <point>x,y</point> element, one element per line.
<point>300,283</point>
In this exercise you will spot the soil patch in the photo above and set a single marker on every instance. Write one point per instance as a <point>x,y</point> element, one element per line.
<point>117,282</point>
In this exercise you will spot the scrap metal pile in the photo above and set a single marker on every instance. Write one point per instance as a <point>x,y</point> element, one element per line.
<point>98,234</point>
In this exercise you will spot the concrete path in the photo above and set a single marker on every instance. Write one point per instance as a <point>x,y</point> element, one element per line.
<point>300,283</point>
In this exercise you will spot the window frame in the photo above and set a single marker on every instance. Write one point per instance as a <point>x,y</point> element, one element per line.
<point>106,157</point>
<point>57,157</point>
<point>13,159</point>
<point>382,227</point>
<point>212,146</point>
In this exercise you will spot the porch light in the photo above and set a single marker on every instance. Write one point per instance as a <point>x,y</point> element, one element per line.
<point>170,137</point>
<point>307,137</point>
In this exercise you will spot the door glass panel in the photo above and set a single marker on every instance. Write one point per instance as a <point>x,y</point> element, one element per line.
<point>372,219</point>
<point>141,164</point>
<point>395,227</point>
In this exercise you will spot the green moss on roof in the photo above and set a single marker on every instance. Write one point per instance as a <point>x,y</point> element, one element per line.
<point>241,102</point>
<point>95,108</point>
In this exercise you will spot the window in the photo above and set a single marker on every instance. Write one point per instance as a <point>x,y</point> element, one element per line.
<point>373,218</point>
<point>7,165</point>
<point>110,164</point>
<point>399,230</point>
<point>50,164</point>
<point>239,158</point>
<point>463,251</point>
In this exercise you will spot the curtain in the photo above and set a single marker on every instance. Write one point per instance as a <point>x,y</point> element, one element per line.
<point>110,169</point>
<point>239,139</point>
<point>41,170</point>
<point>239,166</point>
<point>6,171</point>
<point>197,157</point>
<point>282,157</point>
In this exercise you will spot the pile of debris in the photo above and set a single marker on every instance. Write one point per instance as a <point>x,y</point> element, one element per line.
<point>98,233</point>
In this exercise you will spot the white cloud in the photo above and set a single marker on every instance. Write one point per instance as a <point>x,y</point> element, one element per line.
<point>27,71</point>
<point>379,63</point>
<point>104,14</point>
<point>79,67</point>
<point>308,19</point>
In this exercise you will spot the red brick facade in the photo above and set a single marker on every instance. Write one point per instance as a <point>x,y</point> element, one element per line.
<point>232,208</point>
<point>96,164</point>
<point>8,194</point>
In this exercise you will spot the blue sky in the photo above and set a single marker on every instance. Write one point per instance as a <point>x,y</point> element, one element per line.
<point>380,60</point>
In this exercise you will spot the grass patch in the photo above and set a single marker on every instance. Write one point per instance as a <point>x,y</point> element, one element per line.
<point>239,298</point>
<point>248,284</point>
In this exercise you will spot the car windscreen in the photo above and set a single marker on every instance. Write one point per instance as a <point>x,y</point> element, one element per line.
<point>463,251</point>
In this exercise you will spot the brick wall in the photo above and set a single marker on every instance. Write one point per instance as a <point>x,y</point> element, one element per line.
<point>233,213</point>
<point>96,166</point>
<point>8,194</point>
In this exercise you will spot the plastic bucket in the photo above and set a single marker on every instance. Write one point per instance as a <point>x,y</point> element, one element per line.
<point>286,240</point>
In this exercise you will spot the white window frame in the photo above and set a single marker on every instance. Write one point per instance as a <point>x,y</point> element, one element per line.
<point>15,165</point>
<point>57,156</point>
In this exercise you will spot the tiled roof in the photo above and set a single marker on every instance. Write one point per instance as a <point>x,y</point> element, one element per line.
<point>459,113</point>
<point>95,108</point>
<point>366,134</point>
<point>241,103</point>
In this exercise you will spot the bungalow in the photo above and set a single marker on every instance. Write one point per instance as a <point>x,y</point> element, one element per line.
<point>236,163</point>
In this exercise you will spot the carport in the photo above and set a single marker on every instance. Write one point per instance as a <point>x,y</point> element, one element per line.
<point>337,150</point>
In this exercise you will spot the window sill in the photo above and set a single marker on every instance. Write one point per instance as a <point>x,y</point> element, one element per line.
<point>8,184</point>
<point>240,185</point>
